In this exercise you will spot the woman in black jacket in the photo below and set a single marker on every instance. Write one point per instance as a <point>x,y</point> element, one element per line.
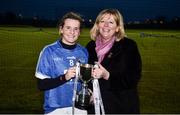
<point>119,63</point>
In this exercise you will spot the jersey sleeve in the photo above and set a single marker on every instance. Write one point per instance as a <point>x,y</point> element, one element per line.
<point>44,65</point>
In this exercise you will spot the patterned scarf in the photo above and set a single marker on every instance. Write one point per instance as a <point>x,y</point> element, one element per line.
<point>103,48</point>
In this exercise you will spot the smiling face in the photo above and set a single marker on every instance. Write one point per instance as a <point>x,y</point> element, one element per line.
<point>107,26</point>
<point>70,31</point>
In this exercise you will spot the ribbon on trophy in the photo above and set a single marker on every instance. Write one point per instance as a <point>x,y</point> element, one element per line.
<point>75,85</point>
<point>98,103</point>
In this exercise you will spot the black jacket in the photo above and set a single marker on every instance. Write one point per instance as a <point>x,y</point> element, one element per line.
<point>123,61</point>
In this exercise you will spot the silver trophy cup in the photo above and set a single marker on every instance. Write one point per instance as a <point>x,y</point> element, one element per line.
<point>83,97</point>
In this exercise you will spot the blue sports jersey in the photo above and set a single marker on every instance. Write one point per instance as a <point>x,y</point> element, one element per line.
<point>53,61</point>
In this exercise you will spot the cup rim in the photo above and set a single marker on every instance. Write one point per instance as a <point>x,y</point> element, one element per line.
<point>87,65</point>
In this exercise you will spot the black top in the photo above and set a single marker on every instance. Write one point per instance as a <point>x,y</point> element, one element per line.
<point>123,61</point>
<point>49,83</point>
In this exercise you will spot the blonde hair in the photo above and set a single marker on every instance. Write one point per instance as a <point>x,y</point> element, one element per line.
<point>94,32</point>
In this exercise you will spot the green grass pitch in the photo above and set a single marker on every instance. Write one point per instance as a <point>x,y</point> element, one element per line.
<point>159,88</point>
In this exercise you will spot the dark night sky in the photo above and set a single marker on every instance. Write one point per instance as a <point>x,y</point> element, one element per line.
<point>132,10</point>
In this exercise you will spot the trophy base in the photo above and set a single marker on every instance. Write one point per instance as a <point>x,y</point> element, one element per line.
<point>82,107</point>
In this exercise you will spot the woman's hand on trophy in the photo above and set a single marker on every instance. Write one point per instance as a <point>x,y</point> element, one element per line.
<point>71,72</point>
<point>100,72</point>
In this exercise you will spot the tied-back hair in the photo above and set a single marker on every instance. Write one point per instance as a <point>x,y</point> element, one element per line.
<point>94,32</point>
<point>70,15</point>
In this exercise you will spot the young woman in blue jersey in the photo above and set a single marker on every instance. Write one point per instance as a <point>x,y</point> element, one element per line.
<point>55,69</point>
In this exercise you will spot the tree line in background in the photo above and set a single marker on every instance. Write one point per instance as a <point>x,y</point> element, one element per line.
<point>10,18</point>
